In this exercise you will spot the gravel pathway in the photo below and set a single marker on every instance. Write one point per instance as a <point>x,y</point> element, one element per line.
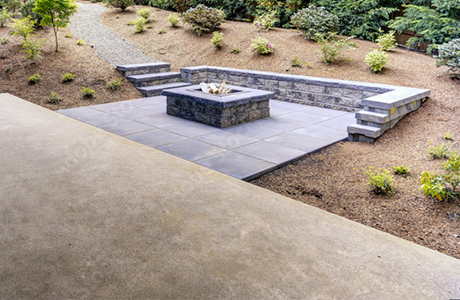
<point>86,25</point>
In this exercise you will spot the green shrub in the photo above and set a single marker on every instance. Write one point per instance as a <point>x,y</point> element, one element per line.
<point>144,13</point>
<point>203,19</point>
<point>22,27</point>
<point>27,11</point>
<point>162,31</point>
<point>173,19</point>
<point>217,38</point>
<point>443,187</point>
<point>331,46</point>
<point>401,170</point>
<point>4,40</point>
<point>68,77</point>
<point>87,92</point>
<point>80,42</point>
<point>296,62</point>
<point>121,4</point>
<point>438,152</point>
<point>32,47</point>
<point>261,45</point>
<point>449,55</point>
<point>447,136</point>
<point>235,51</point>
<point>34,78</point>
<point>265,21</point>
<point>376,60</point>
<point>380,181</point>
<point>68,35</point>
<point>5,16</point>
<point>54,98</point>
<point>114,84</point>
<point>313,20</point>
<point>387,41</point>
<point>139,23</point>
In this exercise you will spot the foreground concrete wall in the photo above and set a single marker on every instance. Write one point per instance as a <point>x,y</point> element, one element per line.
<point>86,214</point>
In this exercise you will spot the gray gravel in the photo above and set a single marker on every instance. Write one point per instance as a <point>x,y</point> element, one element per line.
<point>86,25</point>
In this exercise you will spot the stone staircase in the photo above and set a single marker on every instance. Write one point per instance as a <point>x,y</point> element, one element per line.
<point>152,78</point>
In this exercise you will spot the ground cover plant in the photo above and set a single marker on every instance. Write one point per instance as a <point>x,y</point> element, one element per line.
<point>331,179</point>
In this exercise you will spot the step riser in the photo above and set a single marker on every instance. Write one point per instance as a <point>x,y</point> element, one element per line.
<point>156,82</point>
<point>144,71</point>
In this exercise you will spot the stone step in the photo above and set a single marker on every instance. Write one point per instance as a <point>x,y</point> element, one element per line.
<point>154,79</point>
<point>156,90</point>
<point>156,67</point>
<point>373,117</point>
<point>363,133</point>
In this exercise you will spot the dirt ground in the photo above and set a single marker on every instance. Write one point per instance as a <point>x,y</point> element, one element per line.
<point>332,179</point>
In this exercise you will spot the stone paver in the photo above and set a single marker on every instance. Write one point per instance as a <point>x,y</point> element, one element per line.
<point>86,214</point>
<point>253,148</point>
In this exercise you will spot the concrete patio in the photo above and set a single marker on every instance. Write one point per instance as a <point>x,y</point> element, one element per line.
<point>87,214</point>
<point>243,151</point>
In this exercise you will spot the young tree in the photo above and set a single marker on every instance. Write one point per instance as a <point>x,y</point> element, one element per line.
<point>56,13</point>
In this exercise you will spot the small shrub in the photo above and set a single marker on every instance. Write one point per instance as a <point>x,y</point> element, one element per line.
<point>261,45</point>
<point>22,27</point>
<point>114,84</point>
<point>5,16</point>
<point>216,39</point>
<point>401,170</point>
<point>4,40</point>
<point>376,60</point>
<point>27,11</point>
<point>235,51</point>
<point>54,98</point>
<point>443,187</point>
<point>80,42</point>
<point>203,19</point>
<point>144,13</point>
<point>34,78</point>
<point>296,62</point>
<point>265,21</point>
<point>447,136</point>
<point>68,77</point>
<point>162,31</point>
<point>380,181</point>
<point>121,4</point>
<point>117,17</point>
<point>449,55</point>
<point>87,92</point>
<point>32,47</point>
<point>139,23</point>
<point>173,19</point>
<point>331,46</point>
<point>313,20</point>
<point>387,41</point>
<point>68,35</point>
<point>438,152</point>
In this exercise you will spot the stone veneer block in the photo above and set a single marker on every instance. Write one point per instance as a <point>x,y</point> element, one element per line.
<point>242,106</point>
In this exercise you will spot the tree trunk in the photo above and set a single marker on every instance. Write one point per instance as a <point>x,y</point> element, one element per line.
<point>55,36</point>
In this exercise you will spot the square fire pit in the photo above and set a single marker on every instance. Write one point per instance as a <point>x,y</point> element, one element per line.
<point>242,105</point>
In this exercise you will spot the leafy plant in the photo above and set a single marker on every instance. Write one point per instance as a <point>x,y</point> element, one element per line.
<point>27,11</point>
<point>235,51</point>
<point>80,42</point>
<point>68,77</point>
<point>22,27</point>
<point>173,19</point>
<point>265,21</point>
<point>56,13</point>
<point>439,152</point>
<point>376,60</point>
<point>144,13</point>
<point>401,170</point>
<point>121,4</point>
<point>447,136</point>
<point>314,20</point>
<point>161,31</point>
<point>34,78</point>
<point>4,40</point>
<point>436,23</point>
<point>32,47</point>
<point>114,84</point>
<point>54,98</point>
<point>381,181</point>
<point>261,45</point>
<point>203,19</point>
<point>443,187</point>
<point>387,41</point>
<point>216,39</point>
<point>331,45</point>
<point>449,55</point>
<point>87,92</point>
<point>296,62</point>
<point>139,23</point>
<point>5,16</point>
<point>68,35</point>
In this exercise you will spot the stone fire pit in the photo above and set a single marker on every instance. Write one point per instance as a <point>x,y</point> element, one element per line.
<point>242,105</point>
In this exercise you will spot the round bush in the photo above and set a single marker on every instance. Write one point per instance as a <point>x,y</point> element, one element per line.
<point>312,20</point>
<point>449,55</point>
<point>203,19</point>
<point>376,60</point>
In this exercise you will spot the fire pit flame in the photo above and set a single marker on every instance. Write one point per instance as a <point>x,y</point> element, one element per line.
<point>212,89</point>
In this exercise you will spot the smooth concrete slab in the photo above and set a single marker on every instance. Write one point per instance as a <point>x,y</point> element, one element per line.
<point>86,214</point>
